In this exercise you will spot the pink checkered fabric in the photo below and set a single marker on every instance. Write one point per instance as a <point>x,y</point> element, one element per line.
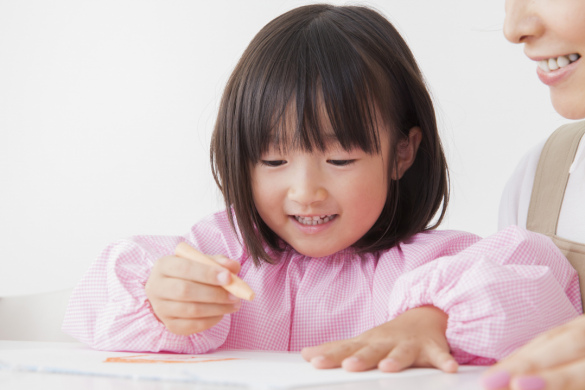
<point>499,293</point>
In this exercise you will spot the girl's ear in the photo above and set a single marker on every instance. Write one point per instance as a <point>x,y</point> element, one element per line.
<point>406,152</point>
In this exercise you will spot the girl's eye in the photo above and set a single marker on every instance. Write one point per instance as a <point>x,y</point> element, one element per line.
<point>272,163</point>
<point>340,163</point>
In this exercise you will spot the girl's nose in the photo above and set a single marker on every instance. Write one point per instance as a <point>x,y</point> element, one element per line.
<point>522,21</point>
<point>307,188</point>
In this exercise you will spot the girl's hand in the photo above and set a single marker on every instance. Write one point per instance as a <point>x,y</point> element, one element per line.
<point>187,296</point>
<point>553,360</point>
<point>415,338</point>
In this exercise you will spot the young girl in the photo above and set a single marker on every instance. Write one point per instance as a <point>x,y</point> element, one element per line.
<point>327,153</point>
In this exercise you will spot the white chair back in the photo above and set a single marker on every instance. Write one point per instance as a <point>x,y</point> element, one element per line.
<point>36,317</point>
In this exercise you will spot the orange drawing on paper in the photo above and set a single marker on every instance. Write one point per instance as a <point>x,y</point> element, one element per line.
<point>151,358</point>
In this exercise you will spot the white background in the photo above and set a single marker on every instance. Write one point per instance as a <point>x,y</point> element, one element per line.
<point>106,111</point>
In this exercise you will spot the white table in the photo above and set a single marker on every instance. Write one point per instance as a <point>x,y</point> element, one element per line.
<point>17,380</point>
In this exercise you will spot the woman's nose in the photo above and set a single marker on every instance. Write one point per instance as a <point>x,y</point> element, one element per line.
<point>307,187</point>
<point>522,21</point>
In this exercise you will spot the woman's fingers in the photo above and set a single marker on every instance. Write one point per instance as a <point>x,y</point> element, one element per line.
<point>553,360</point>
<point>556,347</point>
<point>567,377</point>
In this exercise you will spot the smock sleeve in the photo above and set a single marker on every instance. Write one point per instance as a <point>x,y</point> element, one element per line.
<point>498,293</point>
<point>109,310</point>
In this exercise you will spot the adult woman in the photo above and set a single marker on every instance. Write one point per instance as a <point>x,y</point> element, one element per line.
<point>553,34</point>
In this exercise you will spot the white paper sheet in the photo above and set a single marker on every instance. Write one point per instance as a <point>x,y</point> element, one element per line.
<point>253,369</point>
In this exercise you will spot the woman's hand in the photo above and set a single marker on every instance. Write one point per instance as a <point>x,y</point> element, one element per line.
<point>553,360</point>
<point>187,296</point>
<point>415,338</point>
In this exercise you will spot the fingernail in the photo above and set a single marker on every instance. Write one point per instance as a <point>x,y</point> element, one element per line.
<point>450,366</point>
<point>221,260</point>
<point>530,383</point>
<point>388,364</point>
<point>237,305</point>
<point>317,360</point>
<point>351,360</point>
<point>497,380</point>
<point>223,277</point>
<point>233,298</point>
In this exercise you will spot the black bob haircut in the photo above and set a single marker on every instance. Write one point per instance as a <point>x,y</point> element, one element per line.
<point>352,63</point>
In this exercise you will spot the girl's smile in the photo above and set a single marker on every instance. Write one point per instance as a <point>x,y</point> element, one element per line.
<point>314,220</point>
<point>314,224</point>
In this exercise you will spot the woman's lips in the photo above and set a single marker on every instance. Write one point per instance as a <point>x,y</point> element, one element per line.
<point>553,77</point>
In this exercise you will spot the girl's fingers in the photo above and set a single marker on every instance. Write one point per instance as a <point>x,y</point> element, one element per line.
<point>308,353</point>
<point>186,327</point>
<point>402,356</point>
<point>366,358</point>
<point>185,291</point>
<point>187,310</point>
<point>568,377</point>
<point>331,355</point>
<point>180,268</point>
<point>231,265</point>
<point>440,358</point>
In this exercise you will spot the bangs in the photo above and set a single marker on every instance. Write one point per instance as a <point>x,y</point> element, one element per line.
<point>308,88</point>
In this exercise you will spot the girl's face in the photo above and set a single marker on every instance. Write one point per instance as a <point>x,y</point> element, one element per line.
<point>553,34</point>
<point>321,202</point>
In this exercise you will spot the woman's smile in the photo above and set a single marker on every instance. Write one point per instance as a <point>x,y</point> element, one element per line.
<point>553,71</point>
<point>554,63</point>
<point>553,34</point>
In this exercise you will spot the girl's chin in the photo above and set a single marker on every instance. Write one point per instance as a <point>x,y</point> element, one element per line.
<point>315,252</point>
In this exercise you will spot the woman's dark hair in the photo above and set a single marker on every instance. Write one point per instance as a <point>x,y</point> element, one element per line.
<point>352,64</point>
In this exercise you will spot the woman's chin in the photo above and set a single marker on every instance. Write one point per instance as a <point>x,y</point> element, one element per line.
<point>568,106</point>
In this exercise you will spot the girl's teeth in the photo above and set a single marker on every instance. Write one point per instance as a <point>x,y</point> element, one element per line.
<point>316,220</point>
<point>559,62</point>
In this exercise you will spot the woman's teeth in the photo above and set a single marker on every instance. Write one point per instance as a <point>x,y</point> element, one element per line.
<point>559,62</point>
<point>316,220</point>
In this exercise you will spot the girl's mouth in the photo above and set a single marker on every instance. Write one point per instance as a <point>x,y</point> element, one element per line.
<point>314,220</point>
<point>552,64</point>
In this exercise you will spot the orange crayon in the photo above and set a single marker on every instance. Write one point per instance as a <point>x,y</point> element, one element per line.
<point>237,287</point>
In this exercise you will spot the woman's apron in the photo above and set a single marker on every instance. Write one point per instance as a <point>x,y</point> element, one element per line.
<point>550,181</point>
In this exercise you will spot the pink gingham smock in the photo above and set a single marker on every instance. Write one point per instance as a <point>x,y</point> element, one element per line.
<point>498,292</point>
